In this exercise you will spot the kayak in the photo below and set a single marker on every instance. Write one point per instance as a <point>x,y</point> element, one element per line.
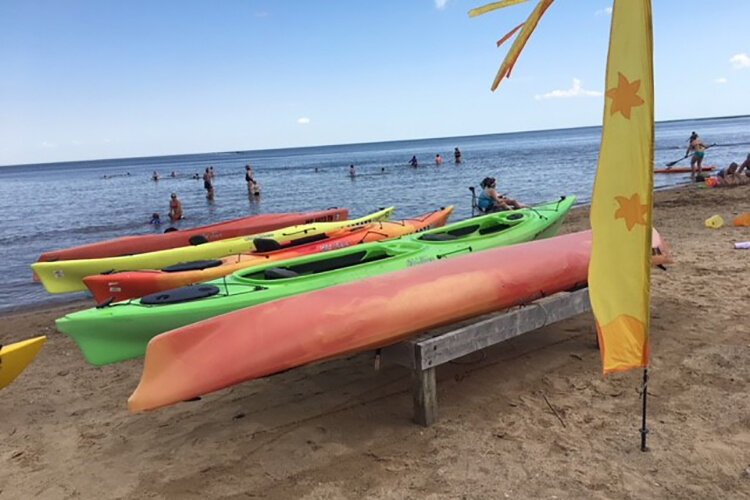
<point>121,331</point>
<point>14,358</point>
<point>259,341</point>
<point>67,275</point>
<point>681,170</point>
<point>254,224</point>
<point>116,287</point>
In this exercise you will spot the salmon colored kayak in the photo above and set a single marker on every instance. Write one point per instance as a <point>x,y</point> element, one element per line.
<point>276,336</point>
<point>142,243</point>
<point>120,286</point>
<point>259,341</point>
<point>680,170</point>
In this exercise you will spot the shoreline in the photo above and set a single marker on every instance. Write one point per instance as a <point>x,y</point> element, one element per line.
<point>339,429</point>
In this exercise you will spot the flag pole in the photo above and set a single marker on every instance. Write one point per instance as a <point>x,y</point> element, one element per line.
<point>644,393</point>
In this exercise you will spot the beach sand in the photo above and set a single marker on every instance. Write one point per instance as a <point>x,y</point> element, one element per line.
<point>342,430</point>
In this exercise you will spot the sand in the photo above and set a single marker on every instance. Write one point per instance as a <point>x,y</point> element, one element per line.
<point>342,430</point>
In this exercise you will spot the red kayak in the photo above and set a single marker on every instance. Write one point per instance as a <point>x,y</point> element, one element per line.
<point>258,341</point>
<point>680,170</point>
<point>130,245</point>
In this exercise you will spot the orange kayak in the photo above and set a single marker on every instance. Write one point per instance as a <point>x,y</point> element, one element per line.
<point>680,170</point>
<point>133,284</point>
<point>258,341</point>
<point>143,243</point>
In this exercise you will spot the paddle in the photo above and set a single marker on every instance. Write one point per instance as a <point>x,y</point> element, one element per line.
<point>673,163</point>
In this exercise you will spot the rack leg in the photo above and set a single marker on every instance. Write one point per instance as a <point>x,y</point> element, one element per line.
<point>424,392</point>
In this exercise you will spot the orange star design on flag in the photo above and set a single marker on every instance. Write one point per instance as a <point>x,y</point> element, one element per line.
<point>625,96</point>
<point>631,210</point>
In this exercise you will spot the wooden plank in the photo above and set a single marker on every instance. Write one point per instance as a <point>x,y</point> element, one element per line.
<point>424,394</point>
<point>459,342</point>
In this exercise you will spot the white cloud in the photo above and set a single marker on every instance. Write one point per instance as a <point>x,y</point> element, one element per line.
<point>262,13</point>
<point>740,61</point>
<point>49,145</point>
<point>720,80</point>
<point>440,4</point>
<point>604,12</point>
<point>576,91</point>
<point>303,121</point>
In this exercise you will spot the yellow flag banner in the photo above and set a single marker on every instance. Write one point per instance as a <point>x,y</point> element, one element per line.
<point>515,50</point>
<point>494,6</point>
<point>619,272</point>
<point>509,34</point>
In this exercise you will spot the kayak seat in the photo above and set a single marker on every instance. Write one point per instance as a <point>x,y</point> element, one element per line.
<point>275,273</point>
<point>184,294</point>
<point>463,231</point>
<point>494,229</point>
<point>266,245</point>
<point>271,245</point>
<point>197,239</point>
<point>195,265</point>
<point>438,237</point>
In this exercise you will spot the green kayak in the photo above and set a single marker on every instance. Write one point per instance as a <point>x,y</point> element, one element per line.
<point>121,330</point>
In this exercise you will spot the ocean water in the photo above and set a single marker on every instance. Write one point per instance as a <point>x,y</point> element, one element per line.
<point>52,206</point>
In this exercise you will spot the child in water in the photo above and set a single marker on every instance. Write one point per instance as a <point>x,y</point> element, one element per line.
<point>155,219</point>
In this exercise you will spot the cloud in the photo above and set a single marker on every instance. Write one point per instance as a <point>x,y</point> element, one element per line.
<point>604,12</point>
<point>440,4</point>
<point>262,13</point>
<point>47,144</point>
<point>575,91</point>
<point>720,80</point>
<point>740,61</point>
<point>303,121</point>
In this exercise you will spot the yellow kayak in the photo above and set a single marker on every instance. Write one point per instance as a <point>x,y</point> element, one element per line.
<point>14,358</point>
<point>67,275</point>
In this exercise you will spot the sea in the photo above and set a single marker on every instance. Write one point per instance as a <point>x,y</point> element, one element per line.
<point>58,205</point>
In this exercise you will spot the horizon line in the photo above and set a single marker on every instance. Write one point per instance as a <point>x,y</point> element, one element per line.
<point>177,155</point>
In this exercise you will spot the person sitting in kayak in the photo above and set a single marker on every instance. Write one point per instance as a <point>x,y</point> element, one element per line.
<point>490,201</point>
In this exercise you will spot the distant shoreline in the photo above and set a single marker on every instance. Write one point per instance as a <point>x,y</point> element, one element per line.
<point>131,159</point>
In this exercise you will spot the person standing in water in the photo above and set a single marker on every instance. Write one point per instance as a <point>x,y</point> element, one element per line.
<point>208,184</point>
<point>175,208</point>
<point>253,188</point>
<point>413,162</point>
<point>457,155</point>
<point>352,171</point>
<point>438,160</point>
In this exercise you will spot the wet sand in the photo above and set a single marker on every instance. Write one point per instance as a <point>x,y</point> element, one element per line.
<point>342,430</point>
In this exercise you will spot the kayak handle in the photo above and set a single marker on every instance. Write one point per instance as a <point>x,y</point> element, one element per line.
<point>443,255</point>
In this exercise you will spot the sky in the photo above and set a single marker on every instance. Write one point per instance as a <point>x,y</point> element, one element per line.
<point>100,79</point>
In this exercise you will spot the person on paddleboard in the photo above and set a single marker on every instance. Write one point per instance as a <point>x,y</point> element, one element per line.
<point>699,151</point>
<point>175,208</point>
<point>490,201</point>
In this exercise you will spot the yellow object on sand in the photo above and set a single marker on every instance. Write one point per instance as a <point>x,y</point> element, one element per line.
<point>67,275</point>
<point>714,222</point>
<point>14,358</point>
